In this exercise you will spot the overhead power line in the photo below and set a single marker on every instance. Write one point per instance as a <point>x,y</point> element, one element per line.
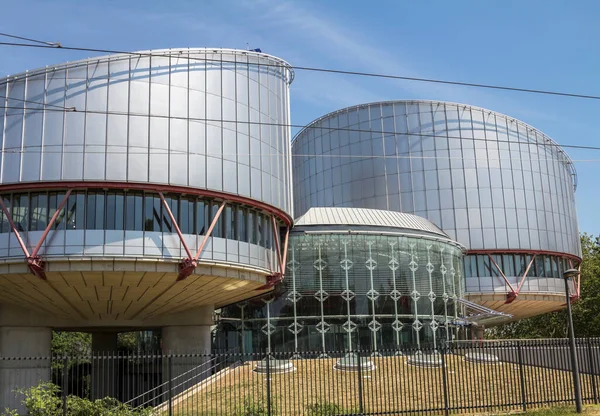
<point>317,69</point>
<point>52,44</point>
<point>436,135</point>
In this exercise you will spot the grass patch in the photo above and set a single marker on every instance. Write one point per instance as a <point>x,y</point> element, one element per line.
<point>316,387</point>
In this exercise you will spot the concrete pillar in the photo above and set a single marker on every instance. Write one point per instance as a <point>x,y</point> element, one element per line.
<point>187,348</point>
<point>34,345</point>
<point>186,339</point>
<point>104,365</point>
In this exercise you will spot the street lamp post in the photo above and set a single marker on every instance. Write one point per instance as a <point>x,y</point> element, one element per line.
<point>574,367</point>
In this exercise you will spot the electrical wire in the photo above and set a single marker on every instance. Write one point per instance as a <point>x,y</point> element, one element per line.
<point>322,70</point>
<point>53,44</point>
<point>287,125</point>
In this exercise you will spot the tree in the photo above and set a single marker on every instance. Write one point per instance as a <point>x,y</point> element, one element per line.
<point>586,311</point>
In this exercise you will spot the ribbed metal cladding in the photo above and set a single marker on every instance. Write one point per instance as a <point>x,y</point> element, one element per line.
<point>487,180</point>
<point>205,118</point>
<point>320,216</point>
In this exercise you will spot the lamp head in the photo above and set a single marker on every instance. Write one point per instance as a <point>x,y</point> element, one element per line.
<point>571,273</point>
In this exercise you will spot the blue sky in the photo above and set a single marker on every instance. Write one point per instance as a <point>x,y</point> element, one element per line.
<point>543,44</point>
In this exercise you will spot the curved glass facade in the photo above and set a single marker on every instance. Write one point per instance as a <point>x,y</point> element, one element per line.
<point>97,222</point>
<point>483,272</point>
<point>345,291</point>
<point>203,118</point>
<point>488,180</point>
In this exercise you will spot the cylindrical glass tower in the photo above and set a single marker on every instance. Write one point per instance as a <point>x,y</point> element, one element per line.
<point>137,154</point>
<point>498,186</point>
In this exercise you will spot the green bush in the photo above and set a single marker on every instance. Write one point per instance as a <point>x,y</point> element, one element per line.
<point>326,409</point>
<point>45,400</point>
<point>253,407</point>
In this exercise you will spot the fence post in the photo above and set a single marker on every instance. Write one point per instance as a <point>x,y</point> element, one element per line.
<point>522,377</point>
<point>269,384</point>
<point>445,382</point>
<point>360,386</point>
<point>170,387</point>
<point>65,382</point>
<point>592,366</point>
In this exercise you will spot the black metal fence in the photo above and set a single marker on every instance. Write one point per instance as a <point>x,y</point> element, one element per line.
<point>454,378</point>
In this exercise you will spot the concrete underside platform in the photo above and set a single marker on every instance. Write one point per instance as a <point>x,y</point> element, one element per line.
<point>524,306</point>
<point>108,292</point>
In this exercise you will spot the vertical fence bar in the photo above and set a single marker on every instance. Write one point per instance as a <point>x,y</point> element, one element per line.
<point>269,383</point>
<point>592,367</point>
<point>65,382</point>
<point>360,386</point>
<point>170,381</point>
<point>522,377</point>
<point>445,382</point>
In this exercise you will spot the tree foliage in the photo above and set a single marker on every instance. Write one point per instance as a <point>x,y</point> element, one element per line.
<point>586,311</point>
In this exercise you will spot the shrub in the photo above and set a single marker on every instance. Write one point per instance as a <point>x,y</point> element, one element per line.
<point>44,400</point>
<point>253,407</point>
<point>326,409</point>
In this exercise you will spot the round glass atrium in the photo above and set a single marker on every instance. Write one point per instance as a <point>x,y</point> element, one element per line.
<point>355,278</point>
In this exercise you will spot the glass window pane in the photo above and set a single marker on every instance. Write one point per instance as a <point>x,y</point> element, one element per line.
<point>483,266</point>
<point>91,211</point>
<point>20,211</point>
<point>119,212</point>
<point>251,227</point>
<point>259,229</point>
<point>241,225</point>
<point>218,229</point>
<point>38,212</point>
<point>201,211</point>
<point>184,217</point>
<point>470,266</point>
<point>130,211</point>
<point>148,210</point>
<point>5,224</point>
<point>156,213</point>
<point>99,224</point>
<point>508,261</point>
<point>555,272</point>
<point>111,200</point>
<point>539,266</point>
<point>166,219</point>
<point>229,223</point>
<point>547,266</point>
<point>54,199</point>
<point>76,211</point>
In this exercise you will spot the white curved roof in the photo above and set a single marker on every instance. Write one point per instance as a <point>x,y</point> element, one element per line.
<point>363,217</point>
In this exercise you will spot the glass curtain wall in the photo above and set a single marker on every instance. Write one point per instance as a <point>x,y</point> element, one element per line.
<point>135,211</point>
<point>354,291</point>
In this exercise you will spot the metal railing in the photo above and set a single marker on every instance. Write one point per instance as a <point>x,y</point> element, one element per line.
<point>454,378</point>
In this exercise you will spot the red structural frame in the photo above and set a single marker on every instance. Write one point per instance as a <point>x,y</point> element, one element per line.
<point>187,265</point>
<point>513,293</point>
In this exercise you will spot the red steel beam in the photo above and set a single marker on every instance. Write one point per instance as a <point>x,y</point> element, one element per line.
<point>51,223</point>
<point>20,187</point>
<point>501,273</point>
<point>210,230</point>
<point>276,237</point>
<point>174,222</point>
<point>187,266</point>
<point>512,295</point>
<point>579,281</point>
<point>285,250</point>
<point>531,252</point>
<point>525,274</point>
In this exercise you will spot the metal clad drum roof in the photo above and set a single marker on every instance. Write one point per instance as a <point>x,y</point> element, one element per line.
<point>320,216</point>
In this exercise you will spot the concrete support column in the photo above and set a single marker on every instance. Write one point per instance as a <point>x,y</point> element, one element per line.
<point>34,345</point>
<point>104,365</point>
<point>187,352</point>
